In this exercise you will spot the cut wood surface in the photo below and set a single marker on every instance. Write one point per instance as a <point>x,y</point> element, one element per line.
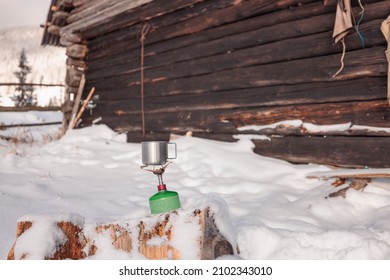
<point>136,236</point>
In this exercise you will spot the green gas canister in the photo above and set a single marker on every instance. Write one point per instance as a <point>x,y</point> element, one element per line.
<point>164,200</point>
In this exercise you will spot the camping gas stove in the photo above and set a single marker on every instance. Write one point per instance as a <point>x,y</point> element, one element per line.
<point>155,155</point>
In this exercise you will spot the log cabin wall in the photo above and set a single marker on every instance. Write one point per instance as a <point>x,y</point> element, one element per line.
<point>224,68</point>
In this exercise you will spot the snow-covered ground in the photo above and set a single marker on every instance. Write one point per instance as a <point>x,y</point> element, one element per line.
<point>275,211</point>
<point>47,63</point>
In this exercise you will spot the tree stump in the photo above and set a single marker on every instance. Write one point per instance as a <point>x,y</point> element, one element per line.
<point>155,237</point>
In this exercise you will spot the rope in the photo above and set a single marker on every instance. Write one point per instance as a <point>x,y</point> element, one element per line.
<point>358,23</point>
<point>144,31</point>
<point>341,60</point>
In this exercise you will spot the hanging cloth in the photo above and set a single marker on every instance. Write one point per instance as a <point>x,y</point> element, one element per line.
<point>385,28</point>
<point>342,26</point>
<point>343,22</point>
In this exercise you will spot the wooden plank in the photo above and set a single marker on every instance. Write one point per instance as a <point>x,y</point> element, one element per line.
<point>351,173</point>
<point>166,67</point>
<point>337,151</point>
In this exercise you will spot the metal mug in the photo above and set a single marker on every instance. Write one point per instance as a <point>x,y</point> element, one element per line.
<point>156,152</point>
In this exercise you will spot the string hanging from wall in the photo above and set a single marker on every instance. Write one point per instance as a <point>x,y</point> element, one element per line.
<point>144,31</point>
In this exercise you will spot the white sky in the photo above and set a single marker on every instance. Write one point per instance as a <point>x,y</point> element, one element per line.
<point>23,12</point>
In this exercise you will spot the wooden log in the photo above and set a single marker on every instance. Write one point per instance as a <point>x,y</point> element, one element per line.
<point>354,152</point>
<point>139,15</point>
<point>77,63</point>
<point>358,64</point>
<point>78,3</point>
<point>167,67</point>
<point>89,8</point>
<point>66,3</point>
<point>310,93</point>
<point>103,15</point>
<point>77,51</point>
<point>70,39</point>
<point>60,15</point>
<point>79,245</point>
<point>222,44</point>
<point>53,29</point>
<point>121,39</point>
<point>71,249</point>
<point>375,11</point>
<point>370,113</point>
<point>220,17</point>
<point>73,76</point>
<point>228,46</point>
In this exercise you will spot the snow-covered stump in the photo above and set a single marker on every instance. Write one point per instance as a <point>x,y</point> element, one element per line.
<point>174,235</point>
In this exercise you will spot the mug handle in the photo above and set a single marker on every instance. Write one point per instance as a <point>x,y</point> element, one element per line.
<point>172,143</point>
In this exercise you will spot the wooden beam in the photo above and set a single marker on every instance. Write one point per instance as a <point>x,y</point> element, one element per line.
<point>337,151</point>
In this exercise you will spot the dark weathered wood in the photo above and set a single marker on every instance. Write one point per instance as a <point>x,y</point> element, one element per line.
<point>311,93</point>
<point>89,8</point>
<point>219,17</point>
<point>230,45</point>
<point>99,16</point>
<point>166,67</point>
<point>370,113</point>
<point>222,45</point>
<point>358,64</point>
<point>374,11</point>
<point>122,41</point>
<point>337,151</point>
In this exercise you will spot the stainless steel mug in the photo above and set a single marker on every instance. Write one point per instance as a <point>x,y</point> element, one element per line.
<point>156,152</point>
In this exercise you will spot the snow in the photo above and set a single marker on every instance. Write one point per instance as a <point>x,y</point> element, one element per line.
<point>31,134</point>
<point>268,207</point>
<point>313,128</point>
<point>47,63</point>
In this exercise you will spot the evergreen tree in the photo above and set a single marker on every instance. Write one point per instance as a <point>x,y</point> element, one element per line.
<point>25,97</point>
